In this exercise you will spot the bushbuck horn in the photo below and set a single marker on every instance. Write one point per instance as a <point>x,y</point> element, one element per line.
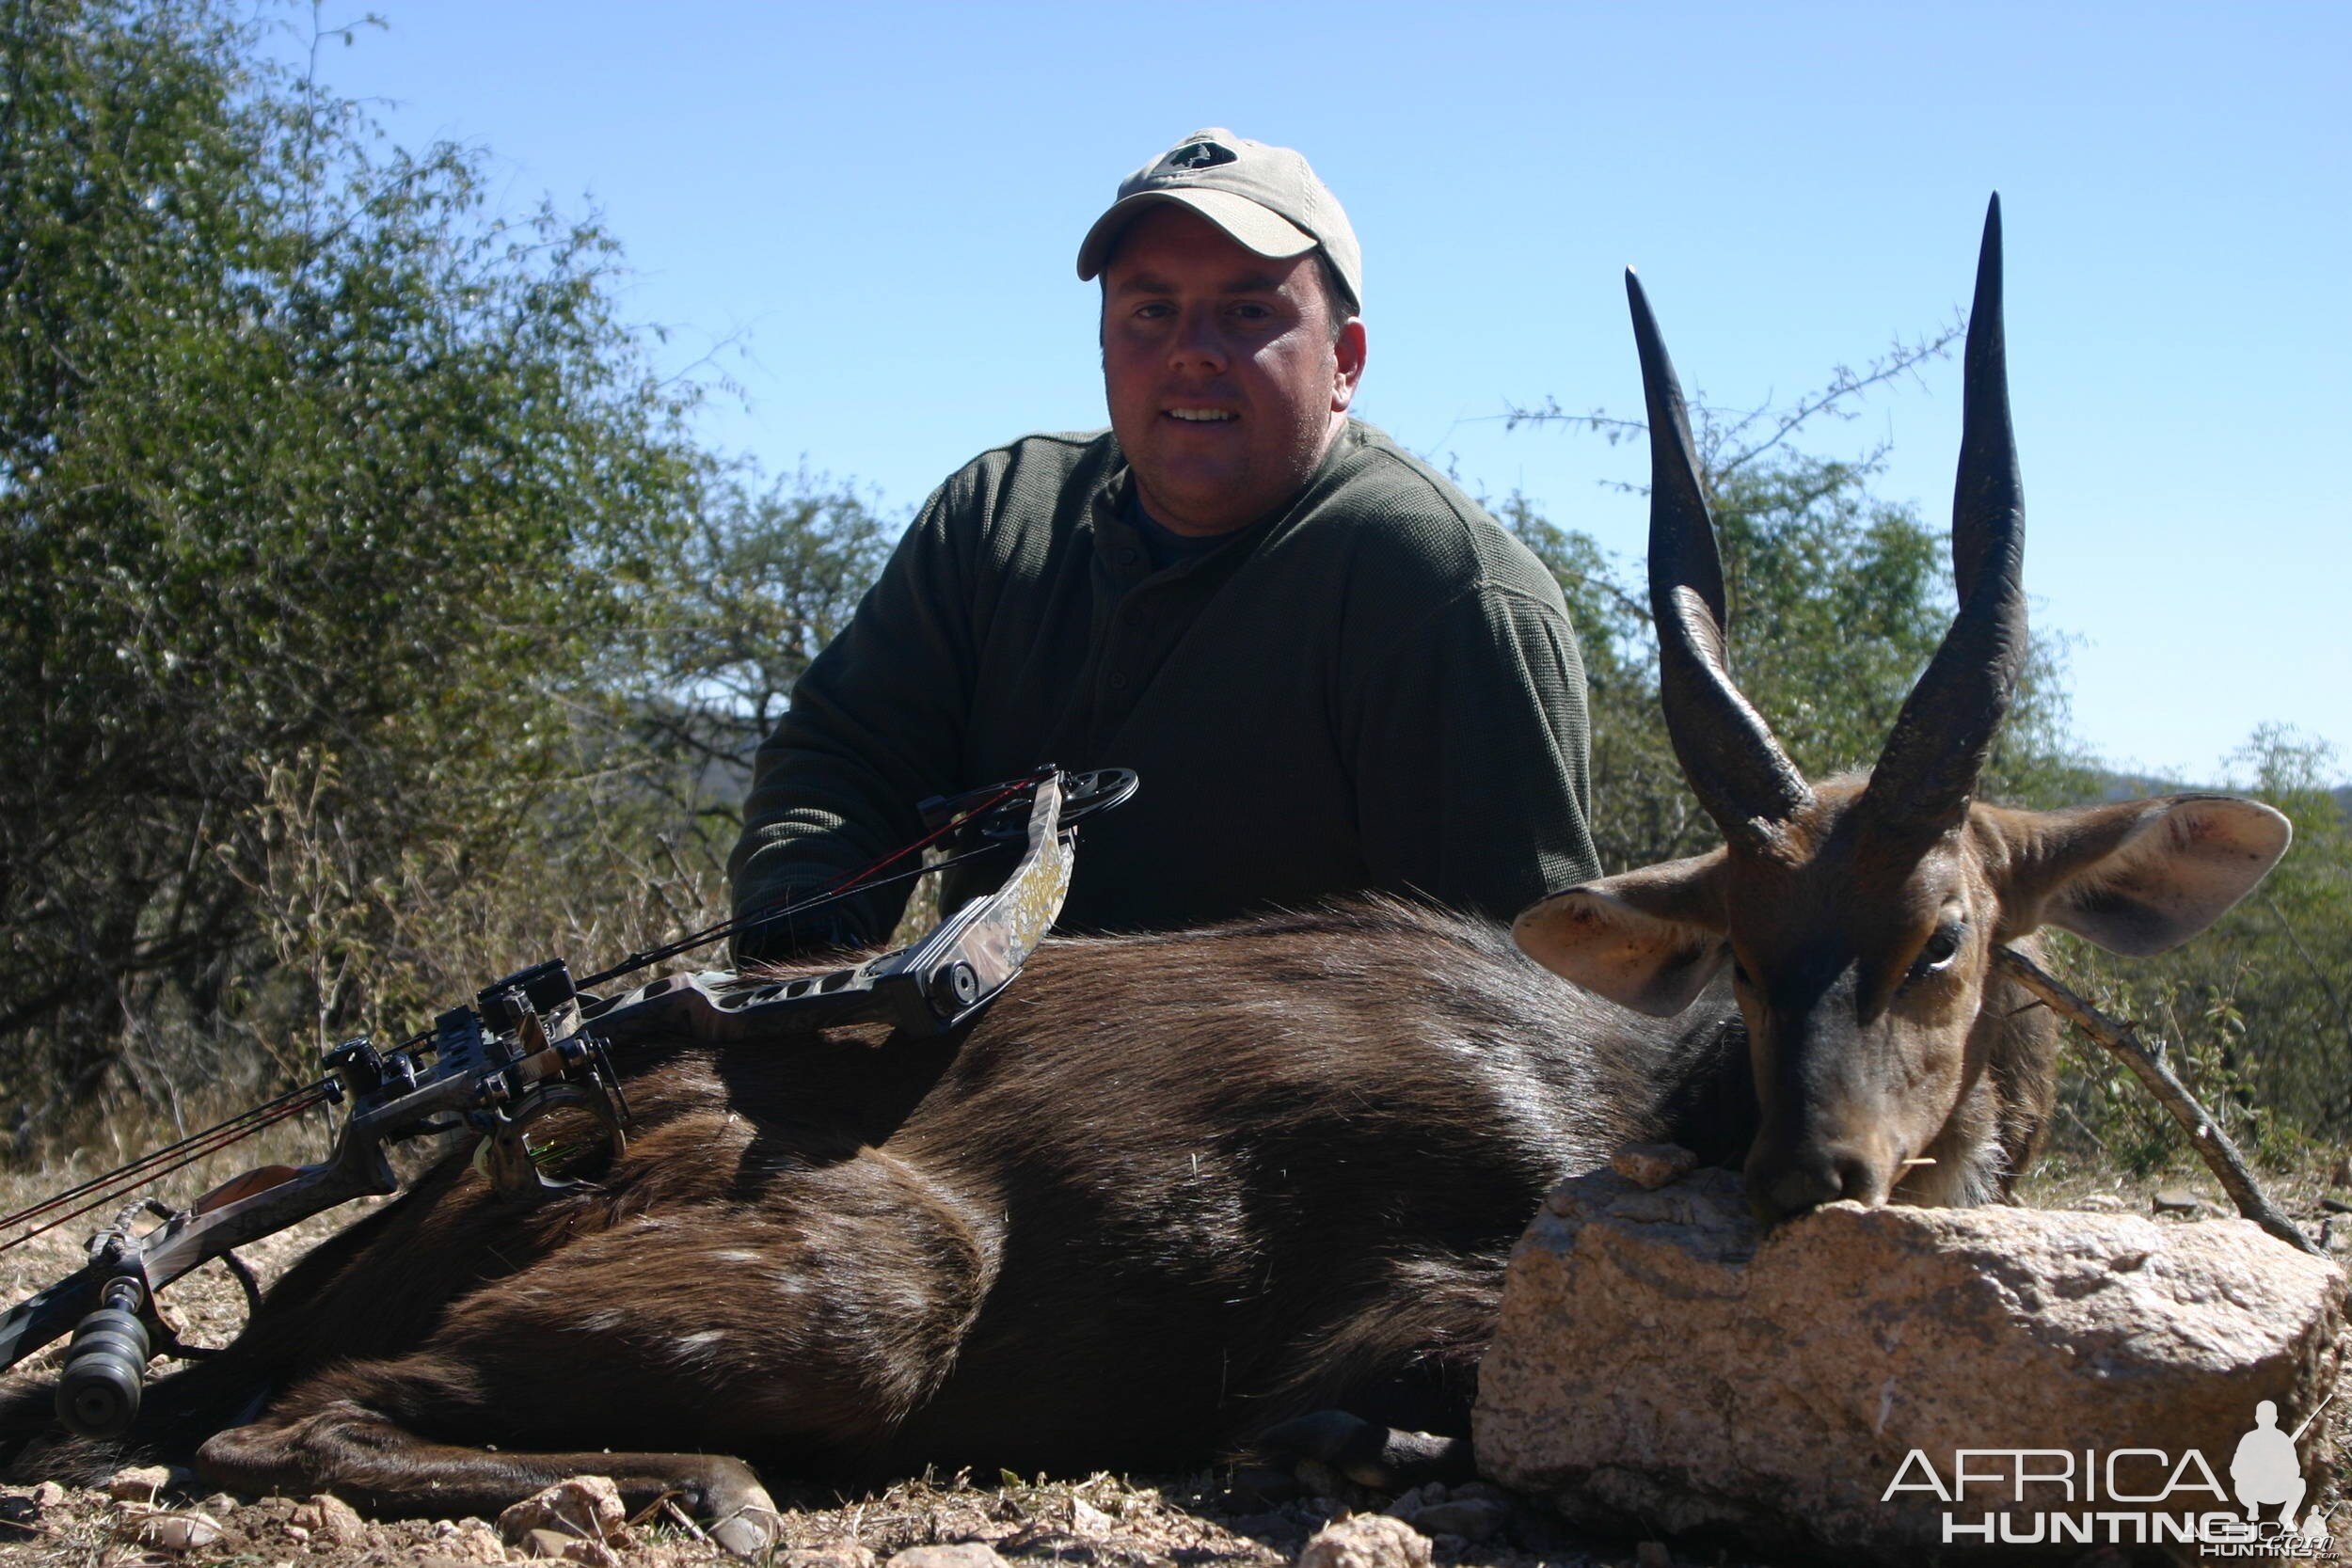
<point>1735,766</point>
<point>1928,771</point>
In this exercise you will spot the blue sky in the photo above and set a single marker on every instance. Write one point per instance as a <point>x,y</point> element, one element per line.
<point>870,213</point>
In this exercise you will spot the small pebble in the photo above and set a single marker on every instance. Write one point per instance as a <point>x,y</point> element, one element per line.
<point>339,1521</point>
<point>963,1554</point>
<point>173,1533</point>
<point>2176,1200</point>
<point>475,1541</point>
<point>1471,1518</point>
<point>138,1484</point>
<point>585,1508</point>
<point>1653,1166</point>
<point>1653,1554</point>
<point>840,1554</point>
<point>1367,1540</point>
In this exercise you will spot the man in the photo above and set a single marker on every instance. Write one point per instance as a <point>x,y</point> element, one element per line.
<point>1331,669</point>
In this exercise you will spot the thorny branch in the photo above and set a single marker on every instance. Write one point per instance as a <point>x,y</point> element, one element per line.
<point>1730,439</point>
<point>2148,1064</point>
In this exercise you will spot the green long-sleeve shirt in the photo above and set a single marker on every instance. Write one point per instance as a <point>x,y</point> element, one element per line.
<point>1376,688</point>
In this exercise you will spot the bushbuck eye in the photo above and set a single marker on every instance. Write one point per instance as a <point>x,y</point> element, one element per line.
<point>1941,949</point>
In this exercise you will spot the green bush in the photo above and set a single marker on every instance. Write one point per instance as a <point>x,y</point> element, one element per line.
<point>321,483</point>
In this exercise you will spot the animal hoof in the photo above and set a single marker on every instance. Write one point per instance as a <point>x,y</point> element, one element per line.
<point>748,1532</point>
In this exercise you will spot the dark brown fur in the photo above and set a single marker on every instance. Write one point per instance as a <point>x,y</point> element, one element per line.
<point>1169,1191</point>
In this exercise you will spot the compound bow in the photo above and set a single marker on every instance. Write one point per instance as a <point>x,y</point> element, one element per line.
<point>528,1046</point>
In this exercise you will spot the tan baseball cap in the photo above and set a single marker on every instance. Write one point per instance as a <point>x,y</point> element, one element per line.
<point>1266,197</point>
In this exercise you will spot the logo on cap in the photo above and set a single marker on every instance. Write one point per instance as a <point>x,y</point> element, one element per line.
<point>1200,155</point>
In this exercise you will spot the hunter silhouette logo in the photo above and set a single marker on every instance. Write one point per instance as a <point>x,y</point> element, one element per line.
<point>2265,1471</point>
<point>1200,155</point>
<point>2129,1497</point>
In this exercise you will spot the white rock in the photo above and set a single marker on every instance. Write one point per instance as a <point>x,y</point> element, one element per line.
<point>1471,1518</point>
<point>472,1541</point>
<point>339,1521</point>
<point>963,1554</point>
<point>585,1508</point>
<point>173,1533</point>
<point>138,1484</point>
<point>541,1542</point>
<point>842,1554</point>
<point>1366,1541</point>
<point>1663,1367</point>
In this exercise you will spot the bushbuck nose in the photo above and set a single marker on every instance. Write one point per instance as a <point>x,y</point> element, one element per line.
<point>1782,1188</point>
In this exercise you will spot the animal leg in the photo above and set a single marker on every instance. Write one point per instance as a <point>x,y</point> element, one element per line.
<point>348,1450</point>
<point>811,1324</point>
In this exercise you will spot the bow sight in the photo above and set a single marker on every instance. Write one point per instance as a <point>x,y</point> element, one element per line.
<point>530,1046</point>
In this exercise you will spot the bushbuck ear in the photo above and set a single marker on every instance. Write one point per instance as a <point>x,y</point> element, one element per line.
<point>1650,940</point>
<point>2145,875</point>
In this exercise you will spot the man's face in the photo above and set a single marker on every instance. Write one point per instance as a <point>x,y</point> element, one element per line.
<point>1224,381</point>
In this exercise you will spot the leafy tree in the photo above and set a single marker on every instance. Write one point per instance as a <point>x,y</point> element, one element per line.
<point>2258,1010</point>
<point>310,467</point>
<point>763,577</point>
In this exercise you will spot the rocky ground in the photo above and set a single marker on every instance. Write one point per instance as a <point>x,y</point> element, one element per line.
<point>1220,1517</point>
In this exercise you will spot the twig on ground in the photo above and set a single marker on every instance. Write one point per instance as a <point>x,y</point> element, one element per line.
<point>2204,1134</point>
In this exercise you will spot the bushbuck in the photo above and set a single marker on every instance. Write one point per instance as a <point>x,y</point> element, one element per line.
<point>1172,1191</point>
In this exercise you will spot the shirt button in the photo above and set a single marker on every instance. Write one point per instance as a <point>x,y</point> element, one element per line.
<point>1118,681</point>
<point>1125,555</point>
